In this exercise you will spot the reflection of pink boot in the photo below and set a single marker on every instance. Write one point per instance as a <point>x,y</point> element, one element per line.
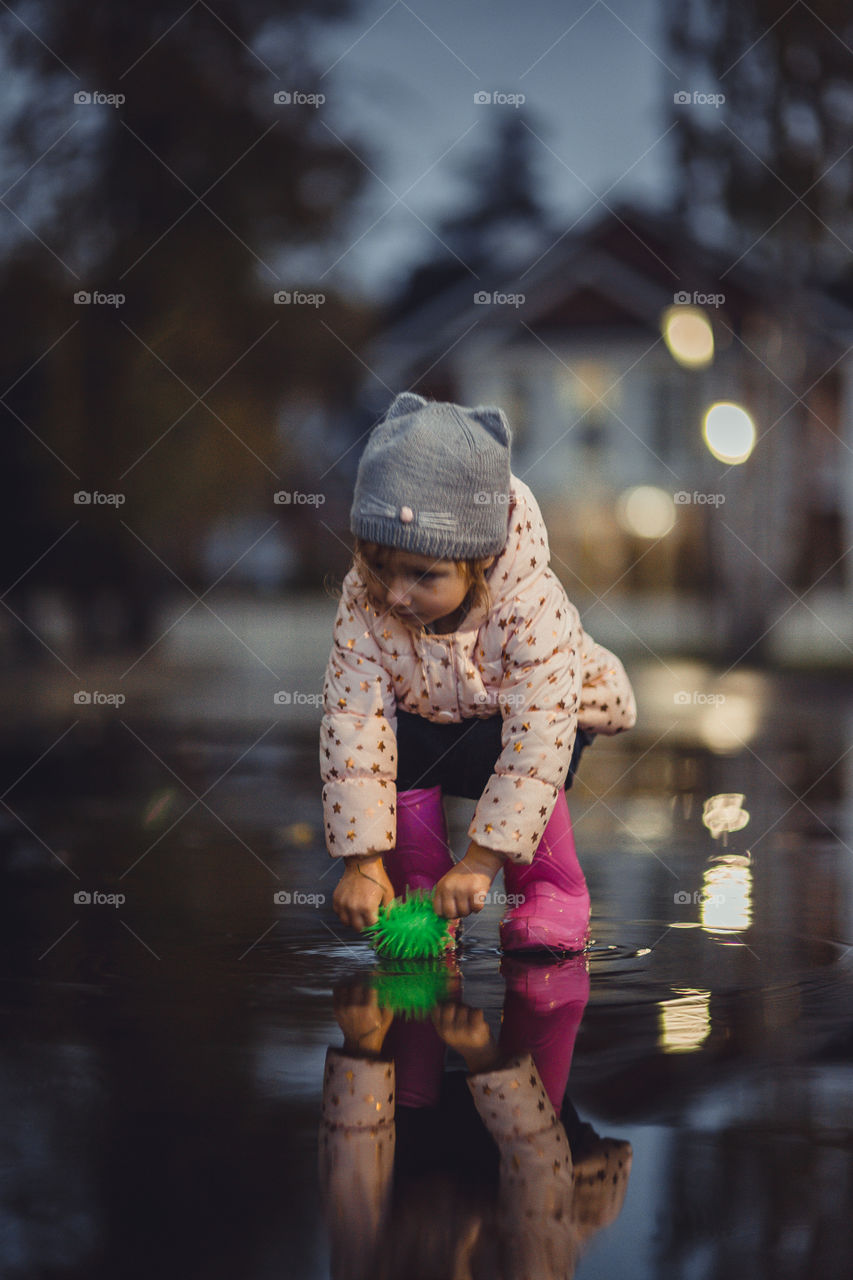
<point>421,856</point>
<point>553,912</point>
<point>543,1009</point>
<point>418,1052</point>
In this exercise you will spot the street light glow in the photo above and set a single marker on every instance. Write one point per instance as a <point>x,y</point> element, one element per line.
<point>729,432</point>
<point>646,511</point>
<point>688,335</point>
<point>727,895</point>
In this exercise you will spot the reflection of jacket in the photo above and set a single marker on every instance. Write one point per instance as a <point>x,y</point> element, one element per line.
<point>526,657</point>
<point>357,1140</point>
<point>548,1206</point>
<point>536,1185</point>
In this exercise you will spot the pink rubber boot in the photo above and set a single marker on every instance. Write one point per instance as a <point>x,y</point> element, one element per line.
<point>553,913</point>
<point>543,1008</point>
<point>421,856</point>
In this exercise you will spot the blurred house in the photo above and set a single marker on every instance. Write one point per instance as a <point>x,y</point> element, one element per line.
<point>606,353</point>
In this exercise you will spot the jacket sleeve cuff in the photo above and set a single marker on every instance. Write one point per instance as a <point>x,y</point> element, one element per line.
<point>513,1104</point>
<point>360,816</point>
<point>358,1093</point>
<point>512,814</point>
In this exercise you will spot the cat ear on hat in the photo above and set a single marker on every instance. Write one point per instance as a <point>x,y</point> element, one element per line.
<point>406,402</point>
<point>495,421</point>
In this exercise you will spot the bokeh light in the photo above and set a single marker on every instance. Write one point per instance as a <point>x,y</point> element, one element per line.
<point>688,334</point>
<point>646,511</point>
<point>729,432</point>
<point>729,725</point>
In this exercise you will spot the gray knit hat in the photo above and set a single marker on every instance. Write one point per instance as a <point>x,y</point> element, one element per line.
<point>434,479</point>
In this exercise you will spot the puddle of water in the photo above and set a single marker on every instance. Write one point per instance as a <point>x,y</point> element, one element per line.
<point>163,1069</point>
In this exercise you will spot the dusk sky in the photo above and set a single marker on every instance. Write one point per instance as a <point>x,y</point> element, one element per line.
<point>402,77</point>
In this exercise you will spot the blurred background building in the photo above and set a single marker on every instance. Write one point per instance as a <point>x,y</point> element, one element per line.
<point>202,316</point>
<point>608,374</point>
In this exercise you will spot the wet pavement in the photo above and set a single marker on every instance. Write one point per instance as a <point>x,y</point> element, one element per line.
<point>174,977</point>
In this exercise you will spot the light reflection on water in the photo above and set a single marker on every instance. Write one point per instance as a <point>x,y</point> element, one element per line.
<point>685,1021</point>
<point>726,902</point>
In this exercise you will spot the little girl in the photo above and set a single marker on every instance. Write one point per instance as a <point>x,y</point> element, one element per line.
<point>458,666</point>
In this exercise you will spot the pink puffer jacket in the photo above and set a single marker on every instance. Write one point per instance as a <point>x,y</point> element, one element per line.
<point>526,657</point>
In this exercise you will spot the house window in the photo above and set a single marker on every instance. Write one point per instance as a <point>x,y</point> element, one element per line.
<point>588,394</point>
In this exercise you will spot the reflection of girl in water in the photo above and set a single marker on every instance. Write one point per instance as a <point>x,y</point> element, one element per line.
<point>420,1183</point>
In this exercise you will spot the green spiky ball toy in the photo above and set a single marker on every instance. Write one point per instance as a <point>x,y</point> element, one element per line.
<point>409,929</point>
<point>411,989</point>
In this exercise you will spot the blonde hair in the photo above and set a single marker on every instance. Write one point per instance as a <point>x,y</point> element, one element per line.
<point>365,555</point>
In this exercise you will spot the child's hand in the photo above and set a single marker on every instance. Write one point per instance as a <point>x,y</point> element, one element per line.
<point>362,890</point>
<point>358,1015</point>
<point>463,888</point>
<point>466,1030</point>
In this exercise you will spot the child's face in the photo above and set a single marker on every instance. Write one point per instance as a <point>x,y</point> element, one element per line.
<point>416,588</point>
